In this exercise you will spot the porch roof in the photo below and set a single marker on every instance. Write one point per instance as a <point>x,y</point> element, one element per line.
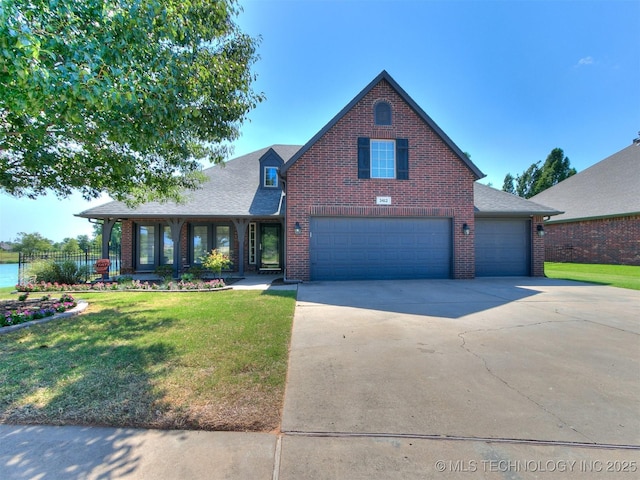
<point>231,190</point>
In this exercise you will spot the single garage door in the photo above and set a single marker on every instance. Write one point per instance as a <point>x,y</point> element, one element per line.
<point>503,247</point>
<point>348,248</point>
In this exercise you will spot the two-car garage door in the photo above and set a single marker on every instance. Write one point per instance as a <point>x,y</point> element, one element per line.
<point>354,248</point>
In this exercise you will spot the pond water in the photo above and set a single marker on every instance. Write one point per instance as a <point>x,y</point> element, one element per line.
<point>8,274</point>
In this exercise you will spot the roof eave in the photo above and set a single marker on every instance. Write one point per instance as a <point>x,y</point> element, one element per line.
<point>178,215</point>
<point>595,217</point>
<point>512,213</point>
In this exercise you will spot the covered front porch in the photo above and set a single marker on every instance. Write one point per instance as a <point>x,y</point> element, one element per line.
<point>152,245</point>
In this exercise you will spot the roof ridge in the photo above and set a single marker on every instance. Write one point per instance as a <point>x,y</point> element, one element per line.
<point>384,75</point>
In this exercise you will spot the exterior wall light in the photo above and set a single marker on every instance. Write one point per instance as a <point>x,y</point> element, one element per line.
<point>540,230</point>
<point>297,229</point>
<point>465,229</point>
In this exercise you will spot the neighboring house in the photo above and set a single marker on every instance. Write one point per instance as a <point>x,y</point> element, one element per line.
<point>601,219</point>
<point>380,192</point>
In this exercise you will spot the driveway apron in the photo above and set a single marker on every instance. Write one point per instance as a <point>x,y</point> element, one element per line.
<point>488,359</point>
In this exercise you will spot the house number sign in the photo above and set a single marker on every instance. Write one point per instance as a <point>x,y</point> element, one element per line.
<point>383,200</point>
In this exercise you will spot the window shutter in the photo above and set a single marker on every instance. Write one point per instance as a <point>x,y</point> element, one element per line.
<point>364,158</point>
<point>402,159</point>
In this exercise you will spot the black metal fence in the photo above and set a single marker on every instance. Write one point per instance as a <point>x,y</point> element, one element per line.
<point>86,259</point>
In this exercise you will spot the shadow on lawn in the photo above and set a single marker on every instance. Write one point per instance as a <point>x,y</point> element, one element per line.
<point>96,369</point>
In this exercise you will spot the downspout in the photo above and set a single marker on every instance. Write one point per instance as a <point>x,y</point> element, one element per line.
<point>286,234</point>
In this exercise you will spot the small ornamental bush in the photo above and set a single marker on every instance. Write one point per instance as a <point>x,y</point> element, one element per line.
<point>194,271</point>
<point>188,277</point>
<point>216,261</point>
<point>165,272</point>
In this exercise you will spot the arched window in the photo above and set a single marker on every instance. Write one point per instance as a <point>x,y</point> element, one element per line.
<point>382,113</point>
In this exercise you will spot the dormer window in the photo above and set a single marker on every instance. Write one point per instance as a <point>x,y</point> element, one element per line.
<point>270,176</point>
<point>382,113</point>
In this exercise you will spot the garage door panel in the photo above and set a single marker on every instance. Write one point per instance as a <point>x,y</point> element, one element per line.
<point>503,247</point>
<point>380,248</point>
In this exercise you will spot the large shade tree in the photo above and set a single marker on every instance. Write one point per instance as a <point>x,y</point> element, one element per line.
<point>538,178</point>
<point>119,96</point>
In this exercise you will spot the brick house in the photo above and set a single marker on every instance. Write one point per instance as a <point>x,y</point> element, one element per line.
<point>601,219</point>
<point>379,192</point>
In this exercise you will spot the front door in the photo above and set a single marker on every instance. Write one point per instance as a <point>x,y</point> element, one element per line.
<point>270,246</point>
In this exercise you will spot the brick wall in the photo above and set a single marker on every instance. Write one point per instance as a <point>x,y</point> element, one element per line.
<point>538,246</point>
<point>608,241</point>
<point>127,247</point>
<point>438,180</point>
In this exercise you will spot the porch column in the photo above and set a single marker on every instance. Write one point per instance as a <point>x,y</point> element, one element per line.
<point>107,228</point>
<point>176,227</point>
<point>241,227</point>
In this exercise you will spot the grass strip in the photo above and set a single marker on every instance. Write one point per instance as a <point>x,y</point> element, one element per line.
<point>623,276</point>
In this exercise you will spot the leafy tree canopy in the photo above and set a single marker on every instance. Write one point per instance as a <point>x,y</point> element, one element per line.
<point>119,96</point>
<point>29,243</point>
<point>69,245</point>
<point>536,178</point>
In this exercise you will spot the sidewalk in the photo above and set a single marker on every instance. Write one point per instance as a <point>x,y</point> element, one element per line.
<point>91,453</point>
<point>262,282</point>
<point>39,452</point>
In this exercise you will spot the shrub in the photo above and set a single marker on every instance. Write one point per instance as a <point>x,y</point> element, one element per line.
<point>165,272</point>
<point>196,270</point>
<point>216,261</point>
<point>58,272</point>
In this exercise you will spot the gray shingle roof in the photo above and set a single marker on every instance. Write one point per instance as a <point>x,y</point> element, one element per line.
<point>610,188</point>
<point>232,189</point>
<point>489,201</point>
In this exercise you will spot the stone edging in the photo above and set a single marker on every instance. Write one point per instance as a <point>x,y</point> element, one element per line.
<point>129,290</point>
<point>69,313</point>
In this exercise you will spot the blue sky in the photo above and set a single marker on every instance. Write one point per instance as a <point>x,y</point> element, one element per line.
<point>508,81</point>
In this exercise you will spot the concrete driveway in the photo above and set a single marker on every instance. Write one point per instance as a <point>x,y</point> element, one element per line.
<point>499,367</point>
<point>489,378</point>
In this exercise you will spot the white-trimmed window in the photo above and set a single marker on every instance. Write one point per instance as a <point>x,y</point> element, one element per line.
<point>383,159</point>
<point>270,176</point>
<point>252,244</point>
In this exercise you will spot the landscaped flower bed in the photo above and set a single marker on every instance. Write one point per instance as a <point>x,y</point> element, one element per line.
<point>129,285</point>
<point>25,310</point>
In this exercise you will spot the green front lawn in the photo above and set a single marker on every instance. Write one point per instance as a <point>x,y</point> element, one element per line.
<point>624,276</point>
<point>200,360</point>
